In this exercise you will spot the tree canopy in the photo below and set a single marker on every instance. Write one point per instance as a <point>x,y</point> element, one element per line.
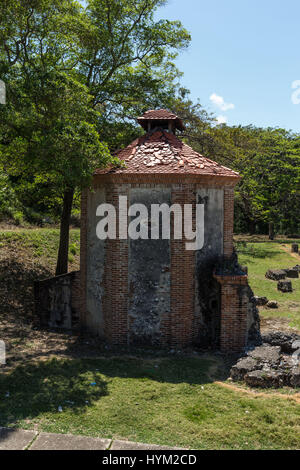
<point>76,77</point>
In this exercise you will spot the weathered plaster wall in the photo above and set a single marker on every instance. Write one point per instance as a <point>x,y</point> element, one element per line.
<point>207,303</point>
<point>56,301</point>
<point>95,264</point>
<point>149,275</point>
<point>148,279</point>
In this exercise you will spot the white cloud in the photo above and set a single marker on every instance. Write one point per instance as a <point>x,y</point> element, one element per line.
<point>296,94</point>
<point>220,102</point>
<point>222,120</point>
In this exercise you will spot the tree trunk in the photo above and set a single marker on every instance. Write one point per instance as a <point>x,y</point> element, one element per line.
<point>252,226</point>
<point>271,231</point>
<point>63,252</point>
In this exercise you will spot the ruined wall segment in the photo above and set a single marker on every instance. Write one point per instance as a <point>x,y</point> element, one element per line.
<point>95,262</point>
<point>207,289</point>
<point>149,275</point>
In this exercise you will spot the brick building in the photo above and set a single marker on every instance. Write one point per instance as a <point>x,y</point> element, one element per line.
<point>156,292</point>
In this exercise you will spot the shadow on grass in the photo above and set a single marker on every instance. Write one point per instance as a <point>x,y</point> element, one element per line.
<point>30,391</point>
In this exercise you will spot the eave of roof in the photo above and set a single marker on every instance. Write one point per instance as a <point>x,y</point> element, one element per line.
<point>160,115</point>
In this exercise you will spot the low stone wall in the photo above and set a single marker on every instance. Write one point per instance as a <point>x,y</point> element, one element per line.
<point>57,301</point>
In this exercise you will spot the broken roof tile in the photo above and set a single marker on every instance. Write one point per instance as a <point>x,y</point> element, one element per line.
<point>162,152</point>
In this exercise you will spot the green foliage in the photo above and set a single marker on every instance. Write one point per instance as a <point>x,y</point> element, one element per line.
<point>9,203</point>
<point>268,161</point>
<point>76,79</point>
<point>56,141</point>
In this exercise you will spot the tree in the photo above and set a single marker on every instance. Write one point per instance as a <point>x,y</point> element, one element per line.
<point>54,55</point>
<point>56,138</point>
<point>267,159</point>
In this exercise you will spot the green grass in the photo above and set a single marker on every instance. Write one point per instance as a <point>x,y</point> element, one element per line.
<point>170,401</point>
<point>42,244</point>
<point>259,257</point>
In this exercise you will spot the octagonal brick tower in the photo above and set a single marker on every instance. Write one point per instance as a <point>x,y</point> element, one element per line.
<point>155,292</point>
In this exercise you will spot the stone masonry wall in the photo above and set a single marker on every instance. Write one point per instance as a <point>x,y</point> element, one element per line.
<point>57,301</point>
<point>147,292</point>
<point>156,292</point>
<point>149,276</point>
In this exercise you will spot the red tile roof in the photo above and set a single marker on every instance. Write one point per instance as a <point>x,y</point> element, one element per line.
<point>162,152</point>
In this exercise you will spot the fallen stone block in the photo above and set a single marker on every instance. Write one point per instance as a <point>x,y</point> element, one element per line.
<point>276,274</point>
<point>263,379</point>
<point>296,356</point>
<point>297,267</point>
<point>260,301</point>
<point>295,345</point>
<point>287,341</point>
<point>266,354</point>
<point>292,273</point>
<point>242,367</point>
<point>268,366</point>
<point>285,286</point>
<point>287,362</point>
<point>295,248</point>
<point>295,377</point>
<point>272,304</point>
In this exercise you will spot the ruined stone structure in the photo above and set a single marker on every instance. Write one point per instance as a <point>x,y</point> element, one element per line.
<point>155,292</point>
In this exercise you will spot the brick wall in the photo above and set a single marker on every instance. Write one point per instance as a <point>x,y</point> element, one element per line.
<point>178,327</point>
<point>182,277</point>
<point>234,307</point>
<point>115,303</point>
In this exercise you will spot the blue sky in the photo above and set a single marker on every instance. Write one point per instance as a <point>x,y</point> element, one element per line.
<point>243,59</point>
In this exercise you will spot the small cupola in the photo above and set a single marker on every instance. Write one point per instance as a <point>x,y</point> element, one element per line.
<point>162,119</point>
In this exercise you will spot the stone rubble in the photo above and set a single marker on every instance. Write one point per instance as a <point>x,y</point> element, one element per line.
<point>272,304</point>
<point>261,301</point>
<point>292,273</point>
<point>276,274</point>
<point>275,364</point>
<point>285,286</point>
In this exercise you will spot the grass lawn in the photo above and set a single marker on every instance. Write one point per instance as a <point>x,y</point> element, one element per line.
<point>168,400</point>
<point>259,257</point>
<point>171,401</point>
<point>41,245</point>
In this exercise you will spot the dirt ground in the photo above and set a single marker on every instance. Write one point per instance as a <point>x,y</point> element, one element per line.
<point>276,324</point>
